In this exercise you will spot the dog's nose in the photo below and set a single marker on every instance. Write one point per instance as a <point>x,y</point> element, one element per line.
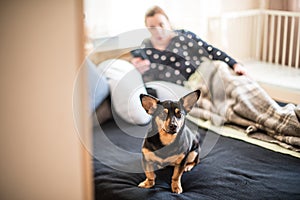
<point>173,126</point>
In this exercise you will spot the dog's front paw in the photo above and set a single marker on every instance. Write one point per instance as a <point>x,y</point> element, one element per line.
<point>176,187</point>
<point>147,183</point>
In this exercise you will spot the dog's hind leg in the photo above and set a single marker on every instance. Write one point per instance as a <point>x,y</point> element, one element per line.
<point>191,161</point>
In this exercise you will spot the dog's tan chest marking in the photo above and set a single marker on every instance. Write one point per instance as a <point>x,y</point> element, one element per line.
<point>166,138</point>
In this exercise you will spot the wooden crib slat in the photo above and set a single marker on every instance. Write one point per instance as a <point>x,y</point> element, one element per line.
<point>284,39</point>
<point>278,39</point>
<point>264,57</point>
<point>298,46</point>
<point>291,41</point>
<point>271,39</point>
<point>258,37</point>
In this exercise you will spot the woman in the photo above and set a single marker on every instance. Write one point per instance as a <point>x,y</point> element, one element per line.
<point>173,55</point>
<point>166,60</point>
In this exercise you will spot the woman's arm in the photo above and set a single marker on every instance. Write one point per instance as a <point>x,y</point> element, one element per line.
<point>217,54</point>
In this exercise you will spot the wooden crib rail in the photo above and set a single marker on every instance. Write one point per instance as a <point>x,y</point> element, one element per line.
<point>283,30</point>
<point>272,36</point>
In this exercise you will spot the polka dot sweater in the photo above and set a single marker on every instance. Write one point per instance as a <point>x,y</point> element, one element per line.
<point>181,57</point>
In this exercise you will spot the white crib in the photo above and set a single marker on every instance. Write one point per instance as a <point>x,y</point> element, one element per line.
<point>268,43</point>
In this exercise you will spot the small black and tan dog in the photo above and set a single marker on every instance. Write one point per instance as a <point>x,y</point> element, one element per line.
<point>169,142</point>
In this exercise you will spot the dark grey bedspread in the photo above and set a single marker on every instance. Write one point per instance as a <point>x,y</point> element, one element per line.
<point>229,169</point>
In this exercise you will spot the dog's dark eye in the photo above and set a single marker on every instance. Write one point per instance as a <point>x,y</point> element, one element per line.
<point>177,112</point>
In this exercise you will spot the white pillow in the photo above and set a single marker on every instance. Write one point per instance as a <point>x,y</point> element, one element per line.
<point>126,85</point>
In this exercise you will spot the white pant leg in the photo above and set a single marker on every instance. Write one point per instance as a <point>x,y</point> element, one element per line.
<point>126,85</point>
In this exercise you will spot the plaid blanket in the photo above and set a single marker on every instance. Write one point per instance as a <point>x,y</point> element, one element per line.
<point>228,98</point>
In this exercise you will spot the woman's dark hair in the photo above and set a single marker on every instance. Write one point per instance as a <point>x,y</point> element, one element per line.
<point>155,10</point>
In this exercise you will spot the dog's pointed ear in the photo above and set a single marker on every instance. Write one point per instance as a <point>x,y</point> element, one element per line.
<point>149,103</point>
<point>189,100</point>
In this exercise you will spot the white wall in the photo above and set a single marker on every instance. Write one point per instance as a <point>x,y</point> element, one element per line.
<point>113,17</point>
<point>107,18</point>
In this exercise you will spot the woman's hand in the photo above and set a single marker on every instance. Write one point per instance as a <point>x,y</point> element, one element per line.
<point>239,69</point>
<point>141,65</point>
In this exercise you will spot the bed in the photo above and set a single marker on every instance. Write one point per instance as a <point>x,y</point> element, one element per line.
<point>232,166</point>
<point>229,168</point>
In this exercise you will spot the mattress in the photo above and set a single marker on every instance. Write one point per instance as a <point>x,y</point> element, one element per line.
<point>229,168</point>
